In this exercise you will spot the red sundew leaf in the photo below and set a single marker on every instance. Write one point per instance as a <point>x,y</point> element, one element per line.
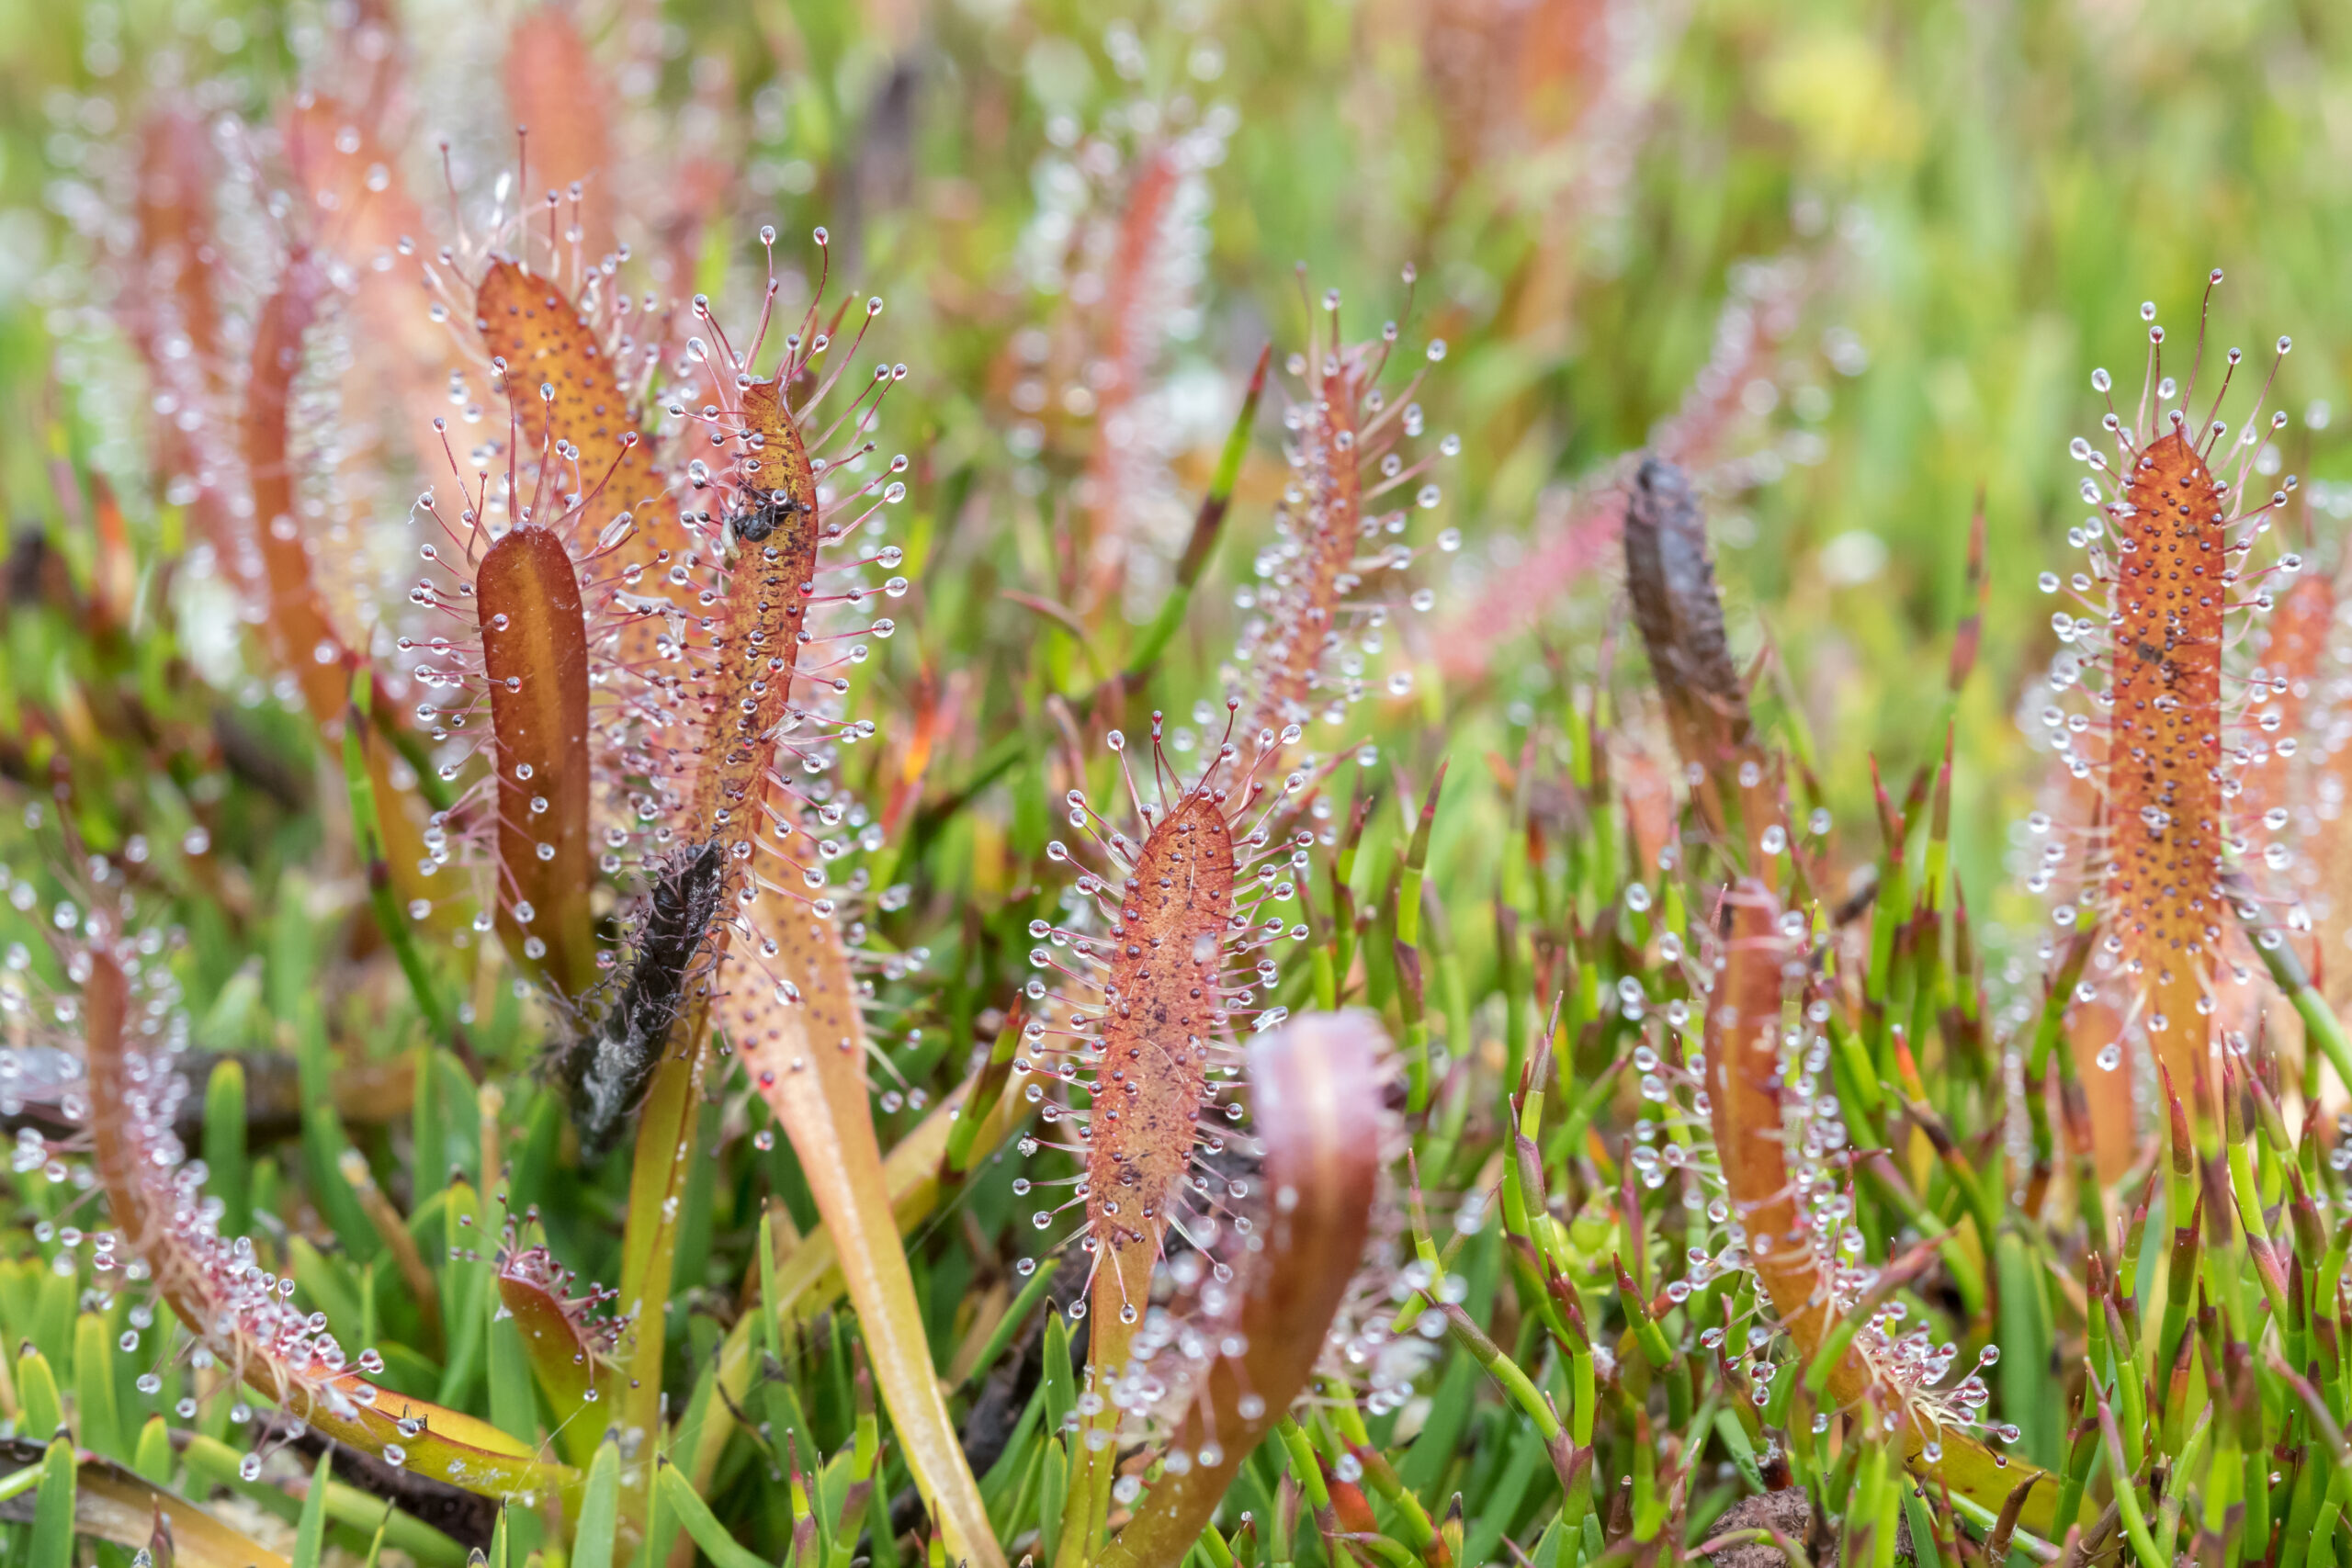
<point>569,1353</point>
<point>1161,1022</point>
<point>806,1052</point>
<point>2300,628</point>
<point>1132,325</point>
<point>363,213</point>
<point>1743,1029</point>
<point>1328,518</point>
<point>792,1009</point>
<point>558,93</point>
<point>754,651</point>
<point>211,1292</point>
<point>2161,777</point>
<point>1153,1083</point>
<point>766,611</point>
<point>301,633</point>
<point>534,652</point>
<point>531,323</point>
<point>173,210</point>
<point>2092,1027</point>
<point>169,309</point>
<point>1316,1086</point>
<point>299,626</point>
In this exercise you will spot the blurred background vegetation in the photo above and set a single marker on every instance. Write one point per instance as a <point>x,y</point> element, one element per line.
<point>1989,190</point>
<point>1853,264</point>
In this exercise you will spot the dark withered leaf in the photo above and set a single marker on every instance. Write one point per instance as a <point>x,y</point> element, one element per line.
<point>1671,577</point>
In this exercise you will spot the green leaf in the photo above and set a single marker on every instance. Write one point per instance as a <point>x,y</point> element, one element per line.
<point>227,1176</point>
<point>1061,1389</point>
<point>152,1458</point>
<point>93,1390</point>
<point>37,1394</point>
<point>600,1509</point>
<point>723,1550</point>
<point>52,1543</point>
<point>310,1533</point>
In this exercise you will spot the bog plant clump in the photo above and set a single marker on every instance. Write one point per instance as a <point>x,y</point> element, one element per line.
<point>655,912</point>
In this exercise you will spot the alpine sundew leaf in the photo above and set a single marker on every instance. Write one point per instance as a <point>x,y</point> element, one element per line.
<point>579,435</point>
<point>1791,1247</point>
<point>755,648</point>
<point>219,1289</point>
<point>1164,1022</point>
<point>780,985</point>
<point>803,1040</point>
<point>1318,1087</point>
<point>173,315</point>
<point>2164,772</point>
<point>397,381</point>
<point>1337,534</point>
<point>301,632</point>
<point>1156,1049</point>
<point>570,1350</point>
<point>2168,559</point>
<point>534,654</point>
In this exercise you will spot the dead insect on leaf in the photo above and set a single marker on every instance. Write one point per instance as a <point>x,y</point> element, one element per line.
<point>607,1069</point>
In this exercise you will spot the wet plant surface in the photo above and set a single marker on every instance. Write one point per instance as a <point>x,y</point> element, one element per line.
<point>767,801</point>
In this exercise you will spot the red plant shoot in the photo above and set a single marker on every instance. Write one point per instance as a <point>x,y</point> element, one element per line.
<point>1162,1011</point>
<point>1148,1028</point>
<point>1792,1217</point>
<point>786,990</point>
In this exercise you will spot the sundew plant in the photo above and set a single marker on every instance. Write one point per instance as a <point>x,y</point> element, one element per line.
<point>1408,783</point>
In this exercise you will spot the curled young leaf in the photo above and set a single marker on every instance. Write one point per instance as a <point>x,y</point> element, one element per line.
<point>1670,578</point>
<point>1316,1084</point>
